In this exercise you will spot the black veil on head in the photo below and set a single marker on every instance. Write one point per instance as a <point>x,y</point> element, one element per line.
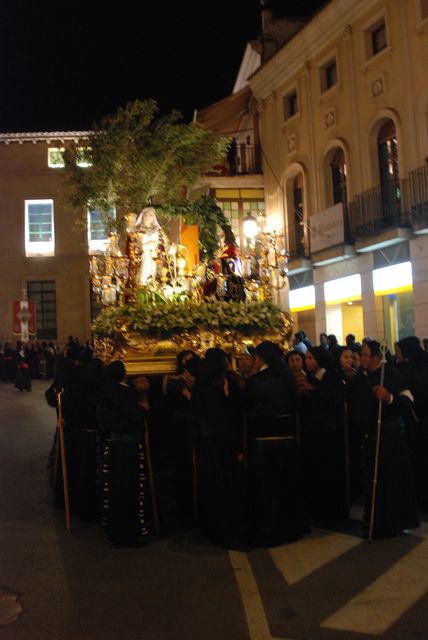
<point>214,366</point>
<point>271,354</point>
<point>323,358</point>
<point>115,372</point>
<point>411,349</point>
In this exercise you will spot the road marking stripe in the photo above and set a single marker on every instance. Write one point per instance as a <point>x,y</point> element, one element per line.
<point>256,618</point>
<point>296,561</point>
<point>378,606</point>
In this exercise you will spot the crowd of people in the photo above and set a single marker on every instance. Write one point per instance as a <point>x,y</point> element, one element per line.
<point>259,453</point>
<point>36,360</point>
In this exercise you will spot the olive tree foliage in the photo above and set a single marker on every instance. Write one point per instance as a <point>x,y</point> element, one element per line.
<point>138,157</point>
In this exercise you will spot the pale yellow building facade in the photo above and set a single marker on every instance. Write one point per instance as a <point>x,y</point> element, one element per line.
<point>343,109</point>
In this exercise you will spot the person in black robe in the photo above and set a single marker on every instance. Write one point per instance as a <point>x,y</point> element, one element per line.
<point>79,401</point>
<point>276,503</point>
<point>23,375</point>
<point>121,417</point>
<point>395,505</point>
<point>413,366</point>
<point>323,439</point>
<point>219,468</point>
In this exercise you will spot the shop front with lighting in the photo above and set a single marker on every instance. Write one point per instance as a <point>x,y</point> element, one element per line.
<point>344,309</point>
<point>393,286</point>
<point>301,299</point>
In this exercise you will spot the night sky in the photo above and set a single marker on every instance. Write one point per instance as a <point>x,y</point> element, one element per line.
<point>65,64</point>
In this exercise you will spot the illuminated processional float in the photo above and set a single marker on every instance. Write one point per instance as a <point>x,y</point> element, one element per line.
<point>155,305</point>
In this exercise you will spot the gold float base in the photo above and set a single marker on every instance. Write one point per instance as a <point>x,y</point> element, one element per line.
<point>143,355</point>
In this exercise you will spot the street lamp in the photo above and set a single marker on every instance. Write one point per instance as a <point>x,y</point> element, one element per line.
<point>251,227</point>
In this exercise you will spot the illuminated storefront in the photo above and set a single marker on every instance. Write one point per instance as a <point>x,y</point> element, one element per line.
<point>302,308</point>
<point>393,285</point>
<point>344,311</point>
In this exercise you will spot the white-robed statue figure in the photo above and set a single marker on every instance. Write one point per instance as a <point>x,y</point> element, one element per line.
<point>149,226</point>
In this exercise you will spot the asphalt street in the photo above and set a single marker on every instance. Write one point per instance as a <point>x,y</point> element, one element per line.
<point>60,586</point>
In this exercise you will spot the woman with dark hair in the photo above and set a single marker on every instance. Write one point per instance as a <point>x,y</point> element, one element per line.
<point>277,511</point>
<point>344,364</point>
<point>323,439</point>
<point>220,469</point>
<point>413,366</point>
<point>395,500</point>
<point>121,416</point>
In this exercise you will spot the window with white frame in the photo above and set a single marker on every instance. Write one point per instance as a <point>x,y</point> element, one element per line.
<point>39,228</point>
<point>55,158</point>
<point>98,228</point>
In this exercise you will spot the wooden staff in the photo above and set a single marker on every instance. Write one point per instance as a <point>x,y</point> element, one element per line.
<point>245,440</point>
<point>60,424</point>
<point>194,475</point>
<point>378,434</point>
<point>151,477</point>
<point>347,460</point>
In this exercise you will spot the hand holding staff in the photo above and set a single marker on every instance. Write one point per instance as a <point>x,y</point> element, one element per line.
<point>382,395</point>
<point>60,425</point>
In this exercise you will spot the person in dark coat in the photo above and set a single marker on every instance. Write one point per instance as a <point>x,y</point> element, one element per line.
<point>121,417</point>
<point>346,372</point>
<point>277,510</point>
<point>413,366</point>
<point>323,438</point>
<point>396,507</point>
<point>23,375</point>
<point>79,402</point>
<point>220,466</point>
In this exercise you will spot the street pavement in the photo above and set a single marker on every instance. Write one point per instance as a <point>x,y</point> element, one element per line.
<point>59,586</point>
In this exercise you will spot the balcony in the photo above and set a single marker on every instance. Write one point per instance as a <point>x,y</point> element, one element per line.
<point>418,196</point>
<point>378,217</point>
<point>242,160</point>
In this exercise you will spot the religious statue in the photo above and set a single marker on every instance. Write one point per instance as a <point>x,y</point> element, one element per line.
<point>150,229</point>
<point>232,267</point>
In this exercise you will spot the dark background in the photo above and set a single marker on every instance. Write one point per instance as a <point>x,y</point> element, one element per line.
<point>65,64</point>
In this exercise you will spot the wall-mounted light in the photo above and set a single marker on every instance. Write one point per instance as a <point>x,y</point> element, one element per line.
<point>251,227</point>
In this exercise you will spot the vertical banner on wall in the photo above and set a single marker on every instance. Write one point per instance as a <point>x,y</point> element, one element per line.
<point>23,319</point>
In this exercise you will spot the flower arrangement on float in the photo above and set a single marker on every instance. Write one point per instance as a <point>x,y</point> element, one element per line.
<point>170,318</point>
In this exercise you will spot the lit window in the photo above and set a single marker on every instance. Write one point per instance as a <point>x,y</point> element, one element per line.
<point>55,158</point>
<point>329,75</point>
<point>39,228</point>
<point>97,228</point>
<point>290,105</point>
<point>236,211</point>
<point>83,157</point>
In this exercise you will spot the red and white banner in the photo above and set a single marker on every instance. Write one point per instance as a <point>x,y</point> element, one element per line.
<point>24,319</point>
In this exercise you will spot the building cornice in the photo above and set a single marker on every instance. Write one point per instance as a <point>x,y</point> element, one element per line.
<point>326,26</point>
<point>44,136</point>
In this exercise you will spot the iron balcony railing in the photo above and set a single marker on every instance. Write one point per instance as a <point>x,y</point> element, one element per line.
<point>241,159</point>
<point>378,209</point>
<point>418,196</point>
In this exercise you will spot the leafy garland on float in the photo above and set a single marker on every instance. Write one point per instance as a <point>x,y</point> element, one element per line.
<point>175,318</point>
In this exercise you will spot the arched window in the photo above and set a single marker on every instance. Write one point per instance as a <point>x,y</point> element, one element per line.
<point>338,177</point>
<point>388,170</point>
<point>299,215</point>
